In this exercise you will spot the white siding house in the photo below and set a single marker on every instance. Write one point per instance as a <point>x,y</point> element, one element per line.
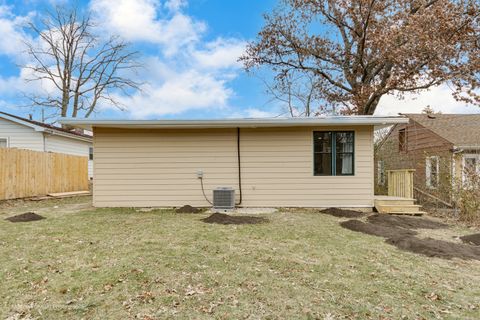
<point>17,132</point>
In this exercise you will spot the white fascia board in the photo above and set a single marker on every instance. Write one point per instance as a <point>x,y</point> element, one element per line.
<point>235,123</point>
<point>67,135</point>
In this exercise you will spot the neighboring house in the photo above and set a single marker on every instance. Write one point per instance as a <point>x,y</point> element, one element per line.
<point>18,132</point>
<point>297,162</point>
<point>444,149</point>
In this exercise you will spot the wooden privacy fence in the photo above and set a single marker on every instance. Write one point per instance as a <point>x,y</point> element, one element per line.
<point>400,183</point>
<point>27,173</point>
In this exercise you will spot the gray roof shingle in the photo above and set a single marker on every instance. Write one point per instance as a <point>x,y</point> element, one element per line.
<point>459,129</point>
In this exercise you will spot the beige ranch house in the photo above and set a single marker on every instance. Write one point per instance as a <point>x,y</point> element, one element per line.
<point>315,162</point>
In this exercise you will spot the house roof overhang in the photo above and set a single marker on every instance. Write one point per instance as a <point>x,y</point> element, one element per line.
<point>48,129</point>
<point>89,124</point>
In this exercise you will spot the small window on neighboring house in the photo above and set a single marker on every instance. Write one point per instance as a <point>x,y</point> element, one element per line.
<point>471,168</point>
<point>3,142</point>
<point>381,172</point>
<point>90,153</point>
<point>402,140</point>
<point>432,170</point>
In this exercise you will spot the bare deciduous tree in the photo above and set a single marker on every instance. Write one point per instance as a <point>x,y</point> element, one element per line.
<point>360,50</point>
<point>297,94</point>
<point>83,68</point>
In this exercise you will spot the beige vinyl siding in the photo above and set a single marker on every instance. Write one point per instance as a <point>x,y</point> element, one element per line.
<point>136,168</point>
<point>20,136</point>
<point>54,143</point>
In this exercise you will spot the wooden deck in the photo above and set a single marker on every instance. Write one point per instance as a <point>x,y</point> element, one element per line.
<point>397,205</point>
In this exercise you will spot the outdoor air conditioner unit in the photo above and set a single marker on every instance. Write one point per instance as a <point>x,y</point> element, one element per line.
<point>224,198</point>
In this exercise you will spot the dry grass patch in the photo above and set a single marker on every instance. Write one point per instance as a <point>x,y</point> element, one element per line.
<point>121,264</point>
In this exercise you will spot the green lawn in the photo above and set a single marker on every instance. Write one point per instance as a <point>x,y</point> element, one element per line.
<point>90,263</point>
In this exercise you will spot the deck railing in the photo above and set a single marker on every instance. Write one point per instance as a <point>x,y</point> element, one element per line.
<point>400,183</point>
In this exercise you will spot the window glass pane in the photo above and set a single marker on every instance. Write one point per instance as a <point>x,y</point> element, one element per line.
<point>344,141</point>
<point>323,164</point>
<point>3,143</point>
<point>470,165</point>
<point>433,170</point>
<point>402,140</point>
<point>90,153</point>
<point>323,141</point>
<point>344,163</point>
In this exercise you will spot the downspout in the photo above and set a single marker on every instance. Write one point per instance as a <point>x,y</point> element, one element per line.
<point>239,164</point>
<point>44,142</point>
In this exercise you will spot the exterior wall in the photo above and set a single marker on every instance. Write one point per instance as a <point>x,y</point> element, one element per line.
<point>54,143</point>
<point>23,137</point>
<point>138,168</point>
<point>20,136</point>
<point>421,143</point>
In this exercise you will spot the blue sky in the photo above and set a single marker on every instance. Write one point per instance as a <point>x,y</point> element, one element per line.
<point>189,50</point>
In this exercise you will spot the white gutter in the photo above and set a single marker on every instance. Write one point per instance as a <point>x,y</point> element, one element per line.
<point>235,123</point>
<point>67,135</point>
<point>462,148</point>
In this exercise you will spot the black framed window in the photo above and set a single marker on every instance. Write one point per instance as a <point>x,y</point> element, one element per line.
<point>334,153</point>
<point>90,153</point>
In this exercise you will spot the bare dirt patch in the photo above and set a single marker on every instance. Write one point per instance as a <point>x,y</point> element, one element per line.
<point>436,248</point>
<point>343,213</point>
<point>405,222</point>
<point>377,230</point>
<point>222,218</point>
<point>25,217</point>
<point>398,232</point>
<point>187,209</point>
<point>472,239</point>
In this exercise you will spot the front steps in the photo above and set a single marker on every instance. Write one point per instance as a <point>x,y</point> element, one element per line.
<point>397,205</point>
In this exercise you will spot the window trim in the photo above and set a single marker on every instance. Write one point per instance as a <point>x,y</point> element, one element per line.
<point>334,154</point>
<point>428,171</point>
<point>8,141</point>
<point>470,156</point>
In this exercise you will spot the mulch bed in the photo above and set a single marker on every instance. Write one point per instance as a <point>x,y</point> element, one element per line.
<point>397,231</point>
<point>341,213</point>
<point>472,239</point>
<point>405,222</point>
<point>222,218</point>
<point>25,217</point>
<point>187,209</point>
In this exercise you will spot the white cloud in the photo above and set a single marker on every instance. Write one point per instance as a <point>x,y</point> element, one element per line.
<point>439,98</point>
<point>12,35</point>
<point>140,20</point>
<point>175,5</point>
<point>16,86</point>
<point>221,53</point>
<point>180,92</point>
<point>258,113</point>
<point>189,73</point>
